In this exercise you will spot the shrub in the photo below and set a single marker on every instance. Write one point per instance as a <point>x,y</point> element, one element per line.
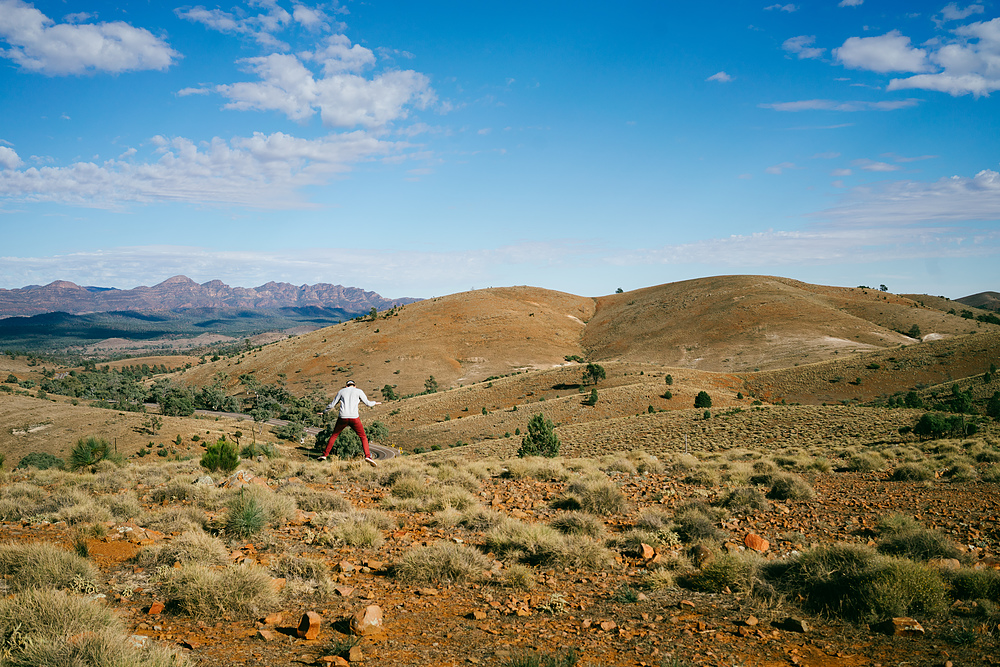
<point>481,518</point>
<point>786,486</point>
<point>569,659</point>
<point>967,584</point>
<point>744,500</point>
<point>376,431</point>
<point>579,523</point>
<point>694,522</point>
<point>255,449</point>
<point>538,544</point>
<point>358,533</point>
<point>597,496</point>
<point>246,516</point>
<point>318,500</point>
<point>702,400</point>
<point>88,451</point>
<point>920,544</point>
<point>42,461</point>
<point>911,472</point>
<point>42,565</point>
<point>442,561</point>
<point>857,583</point>
<point>193,546</point>
<point>866,462</point>
<point>517,576</point>
<point>46,627</point>
<point>347,446</point>
<point>727,570</point>
<point>540,440</point>
<point>240,590</point>
<point>308,575</point>
<point>220,456</point>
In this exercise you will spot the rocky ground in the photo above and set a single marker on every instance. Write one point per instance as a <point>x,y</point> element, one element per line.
<point>611,615</point>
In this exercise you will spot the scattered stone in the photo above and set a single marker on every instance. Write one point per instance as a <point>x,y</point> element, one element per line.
<point>355,654</point>
<point>368,621</point>
<point>345,591</point>
<point>902,626</point>
<point>156,608</point>
<point>204,480</point>
<point>427,591</point>
<point>309,625</point>
<point>273,619</point>
<point>335,660</point>
<point>345,566</point>
<point>793,624</point>
<point>752,621</point>
<point>756,542</point>
<point>278,584</point>
<point>701,555</point>
<point>608,625</point>
<point>477,615</point>
<point>265,635</point>
<point>686,603</point>
<point>648,552</point>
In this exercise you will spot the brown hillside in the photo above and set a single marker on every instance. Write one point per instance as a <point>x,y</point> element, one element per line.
<point>459,339</point>
<point>744,323</point>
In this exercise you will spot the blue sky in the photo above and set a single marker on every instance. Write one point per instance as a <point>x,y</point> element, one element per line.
<point>427,148</point>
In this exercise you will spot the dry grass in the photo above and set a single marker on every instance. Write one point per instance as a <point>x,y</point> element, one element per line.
<point>193,546</point>
<point>41,565</point>
<point>244,591</point>
<point>442,562</point>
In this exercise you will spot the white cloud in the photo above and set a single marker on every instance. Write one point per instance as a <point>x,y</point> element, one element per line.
<point>343,100</point>
<point>801,46</point>
<point>310,18</point>
<point>784,8</point>
<point>901,158</point>
<point>826,156</point>
<point>970,63</point>
<point>721,77</point>
<point>337,55</point>
<point>957,198</point>
<point>39,44</point>
<point>871,165</point>
<point>834,105</point>
<point>841,172</point>
<point>951,12</point>
<point>260,27</point>
<point>9,158</point>
<point>262,171</point>
<point>851,3</point>
<point>890,52</point>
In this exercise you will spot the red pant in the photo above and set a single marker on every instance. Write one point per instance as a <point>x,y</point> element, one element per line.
<point>341,424</point>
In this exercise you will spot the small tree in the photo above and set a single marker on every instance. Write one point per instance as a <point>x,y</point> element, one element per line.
<point>592,399</point>
<point>388,393</point>
<point>221,456</point>
<point>430,385</point>
<point>348,444</point>
<point>593,373</point>
<point>292,431</point>
<point>669,379</point>
<point>702,400</point>
<point>914,331</point>
<point>88,451</point>
<point>541,439</point>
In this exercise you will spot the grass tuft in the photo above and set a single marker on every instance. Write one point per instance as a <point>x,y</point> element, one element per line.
<point>444,562</point>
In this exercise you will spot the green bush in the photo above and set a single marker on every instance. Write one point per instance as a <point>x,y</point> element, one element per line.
<point>88,451</point>
<point>246,516</point>
<point>540,440</point>
<point>702,400</point>
<point>967,584</point>
<point>857,583</point>
<point>347,446</point>
<point>255,449</point>
<point>220,456</point>
<point>292,431</point>
<point>41,460</point>
<point>920,544</point>
<point>726,571</point>
<point>911,472</point>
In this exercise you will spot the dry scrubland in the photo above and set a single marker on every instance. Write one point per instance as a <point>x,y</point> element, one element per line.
<point>784,529</point>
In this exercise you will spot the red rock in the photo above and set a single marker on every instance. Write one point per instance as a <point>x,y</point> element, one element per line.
<point>608,625</point>
<point>355,654</point>
<point>756,542</point>
<point>368,621</point>
<point>156,608</point>
<point>344,591</point>
<point>752,621</point>
<point>265,635</point>
<point>309,625</point>
<point>899,627</point>
<point>477,615</point>
<point>648,552</point>
<point>273,619</point>
<point>345,566</point>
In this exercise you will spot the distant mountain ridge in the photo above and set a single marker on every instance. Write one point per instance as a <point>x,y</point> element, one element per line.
<point>985,300</point>
<point>182,293</point>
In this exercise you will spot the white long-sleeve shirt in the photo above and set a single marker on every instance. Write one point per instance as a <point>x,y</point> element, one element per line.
<point>349,398</point>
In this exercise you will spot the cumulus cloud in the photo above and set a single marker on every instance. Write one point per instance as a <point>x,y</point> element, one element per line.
<point>9,158</point>
<point>801,46</point>
<point>969,64</point>
<point>721,77</point>
<point>38,44</point>
<point>342,99</point>
<point>783,8</point>
<point>851,3</point>
<point>834,105</point>
<point>890,52</point>
<point>263,171</point>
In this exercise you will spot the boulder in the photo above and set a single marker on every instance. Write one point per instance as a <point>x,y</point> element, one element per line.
<point>368,621</point>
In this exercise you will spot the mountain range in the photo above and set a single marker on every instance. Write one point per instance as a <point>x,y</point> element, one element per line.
<point>182,293</point>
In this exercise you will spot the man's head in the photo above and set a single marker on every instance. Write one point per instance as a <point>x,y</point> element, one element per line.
<point>350,383</point>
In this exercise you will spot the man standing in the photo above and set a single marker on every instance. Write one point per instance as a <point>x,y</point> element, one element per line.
<point>348,398</point>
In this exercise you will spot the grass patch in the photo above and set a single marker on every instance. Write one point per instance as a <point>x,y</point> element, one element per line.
<point>246,516</point>
<point>42,565</point>
<point>911,472</point>
<point>193,546</point>
<point>444,562</point>
<point>786,486</point>
<point>538,544</point>
<point>745,500</point>
<point>579,523</point>
<point>595,495</point>
<point>244,591</point>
